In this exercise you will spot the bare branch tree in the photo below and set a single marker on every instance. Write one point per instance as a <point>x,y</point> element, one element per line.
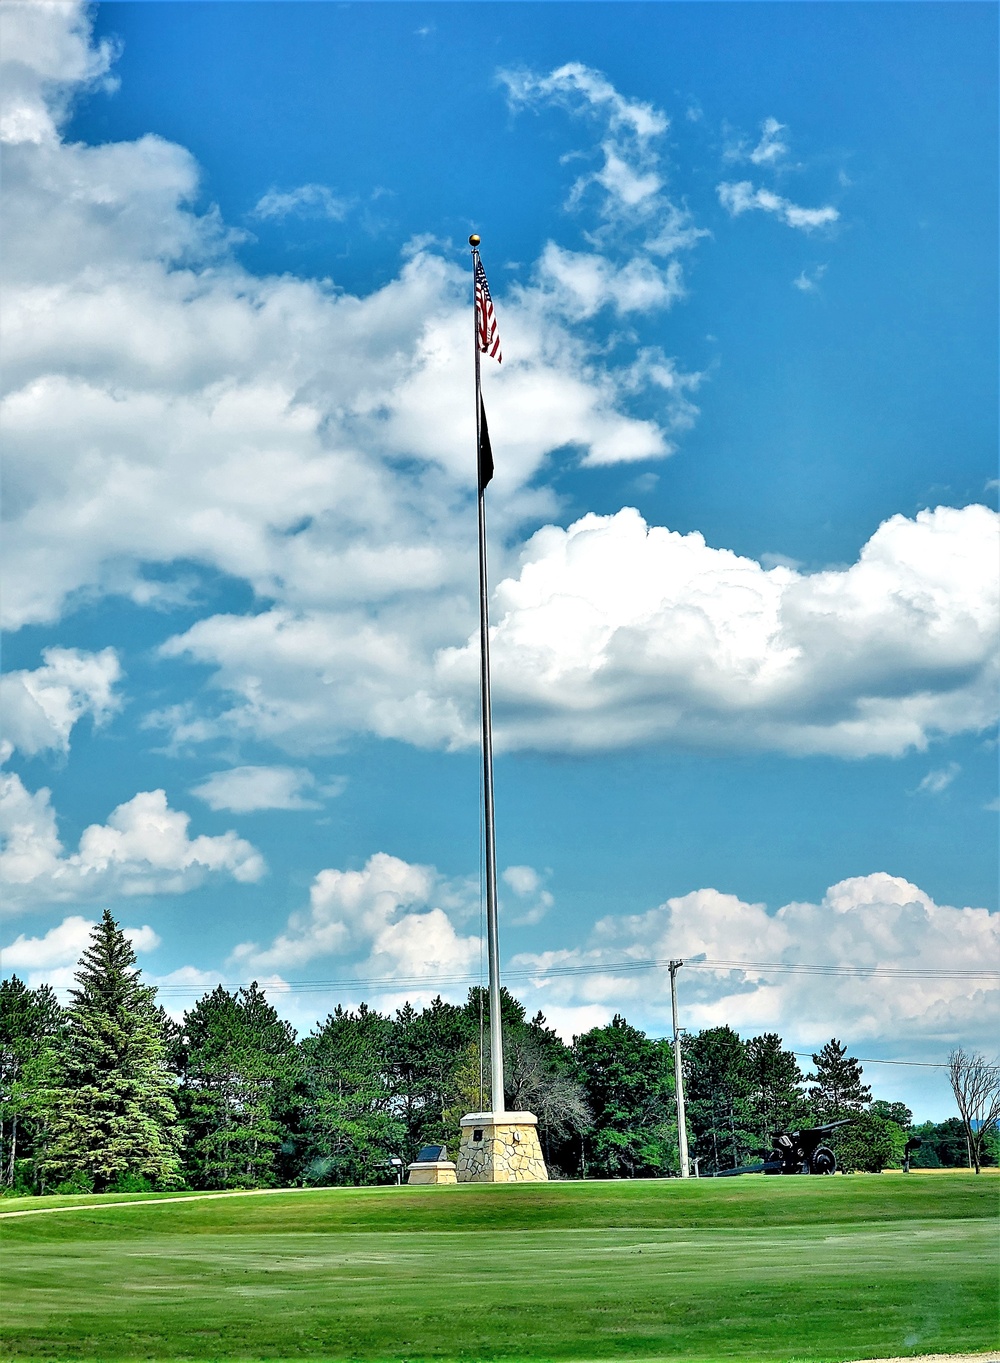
<point>975,1082</point>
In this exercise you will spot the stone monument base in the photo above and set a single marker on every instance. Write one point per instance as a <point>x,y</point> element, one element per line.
<point>431,1171</point>
<point>500,1147</point>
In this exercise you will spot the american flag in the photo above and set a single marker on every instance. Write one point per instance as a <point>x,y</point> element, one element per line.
<point>486,322</point>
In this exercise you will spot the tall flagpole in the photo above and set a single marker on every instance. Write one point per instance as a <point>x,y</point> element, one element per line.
<point>492,931</point>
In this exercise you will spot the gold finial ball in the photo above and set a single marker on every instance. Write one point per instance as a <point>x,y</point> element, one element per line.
<point>474,239</point>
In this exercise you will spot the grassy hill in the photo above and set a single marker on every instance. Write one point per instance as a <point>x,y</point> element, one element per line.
<point>752,1268</point>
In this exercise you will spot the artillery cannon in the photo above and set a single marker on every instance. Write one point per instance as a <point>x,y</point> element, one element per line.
<point>804,1151</point>
<point>794,1152</point>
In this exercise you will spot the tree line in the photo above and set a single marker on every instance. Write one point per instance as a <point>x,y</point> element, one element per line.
<point>110,1094</point>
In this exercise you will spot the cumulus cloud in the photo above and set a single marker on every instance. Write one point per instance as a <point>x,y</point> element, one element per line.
<point>64,944</point>
<point>165,406</point>
<point>394,925</point>
<point>613,632</point>
<point>396,917</point>
<point>869,921</point>
<point>143,849</point>
<point>46,56</point>
<point>40,707</point>
<point>242,789</point>
<point>741,197</point>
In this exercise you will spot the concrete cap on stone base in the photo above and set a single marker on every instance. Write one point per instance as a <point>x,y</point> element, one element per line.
<point>432,1164</point>
<point>499,1119</point>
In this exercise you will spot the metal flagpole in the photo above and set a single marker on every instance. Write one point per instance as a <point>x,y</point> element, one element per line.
<point>492,933</point>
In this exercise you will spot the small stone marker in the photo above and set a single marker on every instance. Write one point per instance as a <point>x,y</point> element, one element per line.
<point>500,1147</point>
<point>432,1165</point>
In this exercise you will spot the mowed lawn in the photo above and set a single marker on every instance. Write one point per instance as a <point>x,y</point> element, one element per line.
<point>753,1268</point>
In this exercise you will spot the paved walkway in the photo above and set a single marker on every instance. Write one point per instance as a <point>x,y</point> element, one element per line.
<point>153,1201</point>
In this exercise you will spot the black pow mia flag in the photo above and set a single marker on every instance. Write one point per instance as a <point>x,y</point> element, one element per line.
<point>485,449</point>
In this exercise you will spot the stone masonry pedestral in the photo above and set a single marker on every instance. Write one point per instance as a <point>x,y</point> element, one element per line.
<point>500,1147</point>
<point>431,1171</point>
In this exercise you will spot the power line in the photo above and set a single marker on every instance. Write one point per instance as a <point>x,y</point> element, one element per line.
<point>920,1064</point>
<point>539,974</point>
<point>620,967</point>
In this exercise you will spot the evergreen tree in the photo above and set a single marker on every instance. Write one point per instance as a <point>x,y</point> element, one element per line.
<point>628,1082</point>
<point>239,1065</point>
<point>30,1028</point>
<point>346,1128</point>
<point>774,1087</point>
<point>426,1051</point>
<point>717,1087</point>
<point>113,1116</point>
<point>836,1089</point>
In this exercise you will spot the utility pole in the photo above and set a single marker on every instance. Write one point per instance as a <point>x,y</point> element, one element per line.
<point>682,1135</point>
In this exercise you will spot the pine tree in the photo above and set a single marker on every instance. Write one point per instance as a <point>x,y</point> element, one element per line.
<point>113,1115</point>
<point>717,1084</point>
<point>775,1092</point>
<point>836,1089</point>
<point>426,1050</point>
<point>347,1127</point>
<point>239,1064</point>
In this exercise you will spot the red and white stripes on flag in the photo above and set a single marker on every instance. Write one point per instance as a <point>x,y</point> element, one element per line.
<point>486,322</point>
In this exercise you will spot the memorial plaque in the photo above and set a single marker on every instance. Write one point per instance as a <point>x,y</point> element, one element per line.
<point>430,1153</point>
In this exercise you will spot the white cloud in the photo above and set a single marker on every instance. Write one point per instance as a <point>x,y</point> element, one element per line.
<point>143,849</point>
<point>312,201</point>
<point>163,405</point>
<point>741,197</point>
<point>397,917</point>
<point>866,921</point>
<point>581,89</point>
<point>46,56</point>
<point>807,282</point>
<point>939,780</point>
<point>64,944</point>
<point>167,406</point>
<point>242,789</point>
<point>523,880</point>
<point>628,177</point>
<point>580,284</point>
<point>612,633</point>
<point>770,148</point>
<point>528,885</point>
<point>40,707</point>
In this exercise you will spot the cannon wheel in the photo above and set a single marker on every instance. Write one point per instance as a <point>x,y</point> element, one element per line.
<point>823,1161</point>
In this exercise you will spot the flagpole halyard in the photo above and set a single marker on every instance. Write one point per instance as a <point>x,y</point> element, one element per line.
<point>492,927</point>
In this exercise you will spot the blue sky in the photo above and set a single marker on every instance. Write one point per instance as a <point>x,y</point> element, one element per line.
<point>743,258</point>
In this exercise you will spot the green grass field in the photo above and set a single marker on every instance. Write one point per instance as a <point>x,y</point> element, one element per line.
<point>752,1268</point>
